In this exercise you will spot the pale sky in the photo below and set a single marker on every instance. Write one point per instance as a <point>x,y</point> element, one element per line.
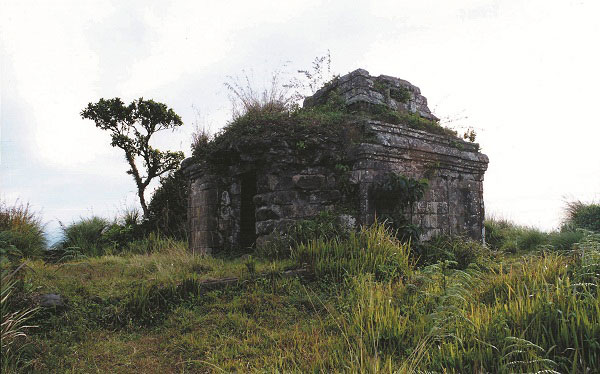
<point>524,74</point>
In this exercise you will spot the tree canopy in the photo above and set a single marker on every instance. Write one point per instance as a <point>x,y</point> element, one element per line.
<point>131,127</point>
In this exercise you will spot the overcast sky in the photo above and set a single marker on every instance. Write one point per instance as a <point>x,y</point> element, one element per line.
<point>523,73</point>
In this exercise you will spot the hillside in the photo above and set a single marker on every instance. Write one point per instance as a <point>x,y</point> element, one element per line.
<point>362,302</point>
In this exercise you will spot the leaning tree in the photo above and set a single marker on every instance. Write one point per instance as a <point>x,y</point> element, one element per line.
<point>131,127</point>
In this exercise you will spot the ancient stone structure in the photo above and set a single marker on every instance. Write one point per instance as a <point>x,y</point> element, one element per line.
<point>262,191</point>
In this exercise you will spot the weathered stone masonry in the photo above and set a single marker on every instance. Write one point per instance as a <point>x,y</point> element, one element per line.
<point>266,191</point>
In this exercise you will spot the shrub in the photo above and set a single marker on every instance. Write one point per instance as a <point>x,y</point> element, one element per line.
<point>583,216</point>
<point>87,235</point>
<point>21,230</point>
<point>565,240</point>
<point>530,238</point>
<point>167,211</point>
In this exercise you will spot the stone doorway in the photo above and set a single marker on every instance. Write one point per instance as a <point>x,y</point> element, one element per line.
<point>248,211</point>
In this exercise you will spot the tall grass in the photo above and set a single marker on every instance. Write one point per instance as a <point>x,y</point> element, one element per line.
<point>542,316</point>
<point>86,235</point>
<point>13,321</point>
<point>371,250</point>
<point>96,236</point>
<point>21,228</point>
<point>246,99</point>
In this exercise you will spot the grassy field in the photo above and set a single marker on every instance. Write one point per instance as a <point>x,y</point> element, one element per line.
<point>365,303</point>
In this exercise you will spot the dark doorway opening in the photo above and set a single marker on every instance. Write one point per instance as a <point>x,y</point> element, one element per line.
<point>248,213</point>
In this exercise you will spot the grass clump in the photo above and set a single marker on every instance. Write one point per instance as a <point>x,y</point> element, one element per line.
<point>97,236</point>
<point>583,216</point>
<point>372,250</point>
<point>21,230</point>
<point>443,320</point>
<point>86,235</point>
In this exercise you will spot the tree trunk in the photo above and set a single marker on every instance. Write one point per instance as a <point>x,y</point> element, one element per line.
<point>143,201</point>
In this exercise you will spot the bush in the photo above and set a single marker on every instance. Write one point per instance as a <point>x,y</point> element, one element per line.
<point>530,238</point>
<point>167,211</point>
<point>583,216</point>
<point>565,240</point>
<point>21,230</point>
<point>459,251</point>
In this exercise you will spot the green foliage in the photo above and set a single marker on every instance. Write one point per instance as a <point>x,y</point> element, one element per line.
<point>131,128</point>
<point>304,129</point>
<point>398,190</point>
<point>413,120</point>
<point>393,194</point>
<point>373,250</point>
<point>459,251</point>
<point>329,127</point>
<point>565,240</point>
<point>167,211</point>
<point>21,230</point>
<point>583,216</point>
<point>151,243</point>
<point>438,320</point>
<point>506,236</point>
<point>400,94</point>
<point>97,236</point>
<point>325,225</point>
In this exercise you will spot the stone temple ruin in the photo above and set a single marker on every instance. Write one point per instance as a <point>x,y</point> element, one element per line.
<point>258,189</point>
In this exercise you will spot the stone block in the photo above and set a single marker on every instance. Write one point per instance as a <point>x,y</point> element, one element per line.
<point>309,182</point>
<point>277,197</point>
<point>268,212</point>
<point>324,197</point>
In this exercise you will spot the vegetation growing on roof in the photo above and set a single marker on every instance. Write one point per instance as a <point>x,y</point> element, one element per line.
<point>262,128</point>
